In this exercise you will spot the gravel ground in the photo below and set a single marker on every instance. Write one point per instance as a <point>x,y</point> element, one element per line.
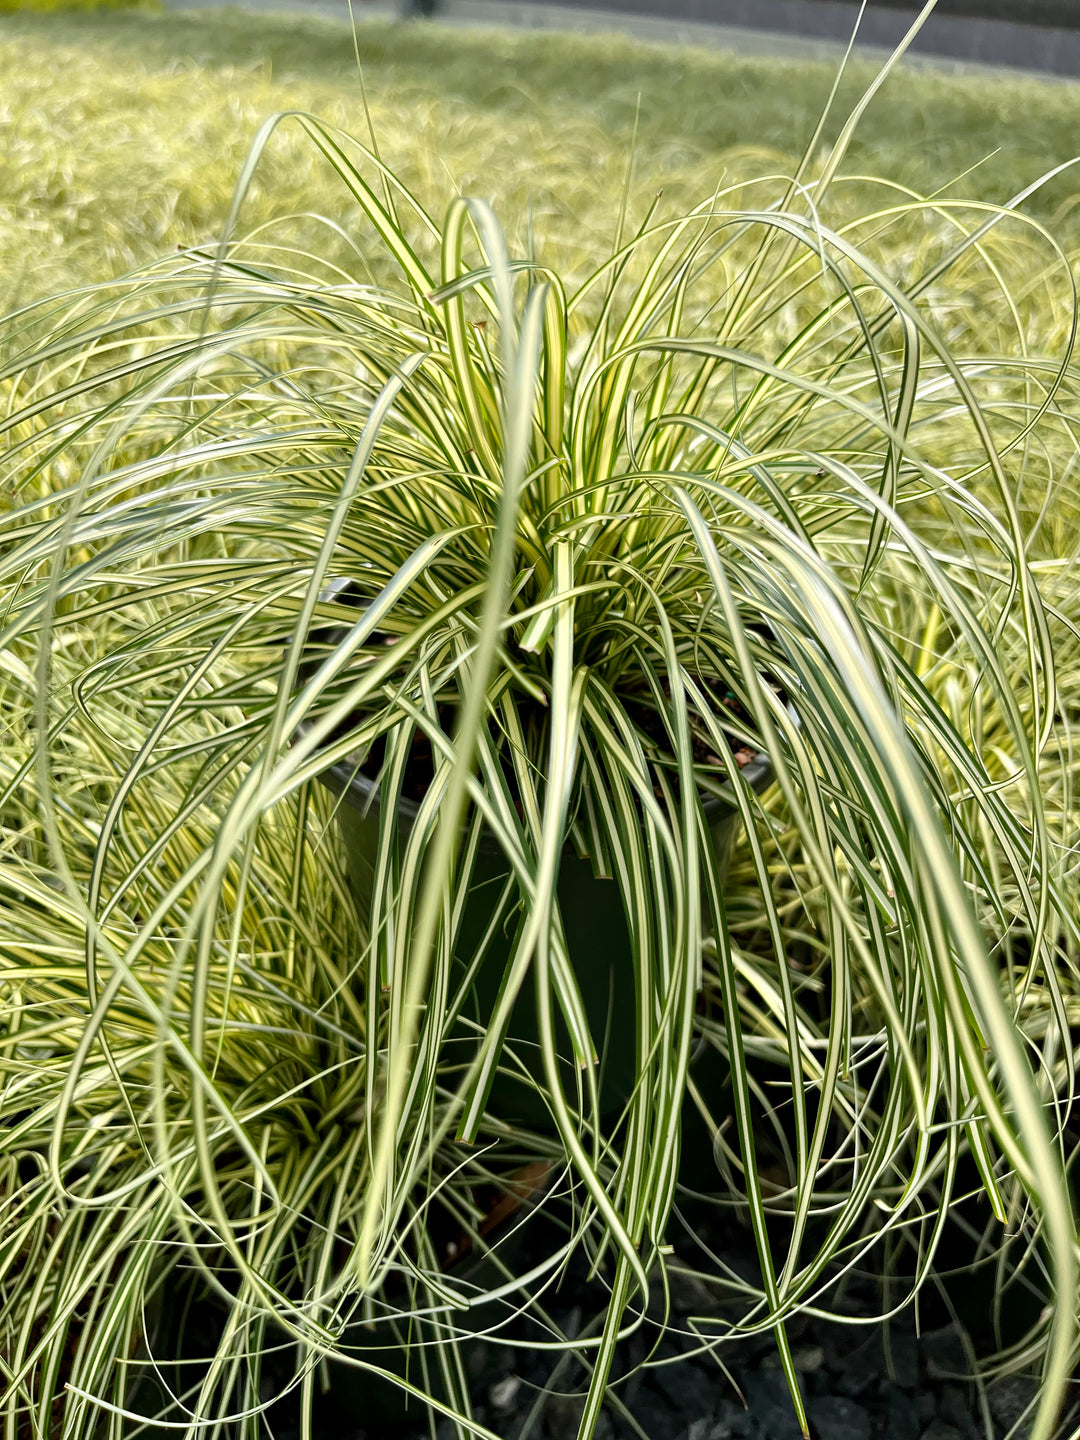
<point>848,1391</point>
<point>860,1380</point>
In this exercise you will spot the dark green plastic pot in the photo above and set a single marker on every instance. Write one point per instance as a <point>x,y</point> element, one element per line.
<point>593,919</point>
<point>596,933</point>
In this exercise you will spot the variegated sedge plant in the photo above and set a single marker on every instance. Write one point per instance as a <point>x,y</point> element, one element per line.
<point>742,453</point>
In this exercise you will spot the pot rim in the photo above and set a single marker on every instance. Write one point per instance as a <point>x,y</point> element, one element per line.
<point>359,791</point>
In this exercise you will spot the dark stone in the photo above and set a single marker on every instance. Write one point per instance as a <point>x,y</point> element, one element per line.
<point>1008,1399</point>
<point>754,1350</point>
<point>769,1402</point>
<point>504,1396</point>
<point>478,1359</point>
<point>672,1347</point>
<point>834,1417</point>
<point>562,1415</point>
<point>690,1295</point>
<point>567,1322</point>
<point>954,1407</point>
<point>733,1422</point>
<point>689,1390</point>
<point>838,1342</point>
<point>744,1264</point>
<point>654,1415</point>
<point>534,1366</point>
<point>858,1379</point>
<point>819,1383</point>
<point>808,1358</point>
<point>903,1357</point>
<point>926,1403</point>
<point>861,1365</point>
<point>944,1352</point>
<point>717,1429</point>
<point>902,1418</point>
<point>852,1350</point>
<point>938,1430</point>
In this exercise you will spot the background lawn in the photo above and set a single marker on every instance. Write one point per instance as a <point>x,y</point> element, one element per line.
<point>122,133</point>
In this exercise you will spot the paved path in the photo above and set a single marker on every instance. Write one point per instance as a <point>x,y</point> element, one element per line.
<point>992,43</point>
<point>786,29</point>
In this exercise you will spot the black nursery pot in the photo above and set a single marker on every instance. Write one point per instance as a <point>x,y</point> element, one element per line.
<point>596,931</point>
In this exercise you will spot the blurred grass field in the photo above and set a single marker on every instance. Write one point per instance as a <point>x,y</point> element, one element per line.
<point>49,6</point>
<point>52,6</point>
<point>122,133</point>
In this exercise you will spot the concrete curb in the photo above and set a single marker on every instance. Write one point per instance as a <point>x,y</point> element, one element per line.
<point>797,29</point>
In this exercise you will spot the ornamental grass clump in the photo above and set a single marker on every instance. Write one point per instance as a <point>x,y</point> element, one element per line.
<point>543,569</point>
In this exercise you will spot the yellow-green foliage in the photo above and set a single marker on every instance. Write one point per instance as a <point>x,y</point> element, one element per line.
<point>926,877</point>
